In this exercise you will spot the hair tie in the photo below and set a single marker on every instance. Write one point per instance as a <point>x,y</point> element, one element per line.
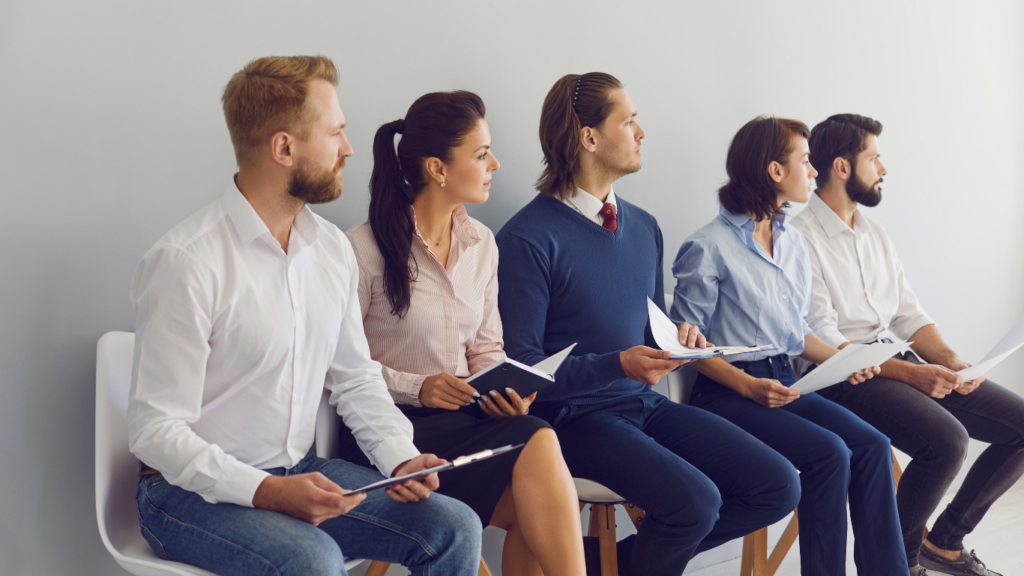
<point>400,125</point>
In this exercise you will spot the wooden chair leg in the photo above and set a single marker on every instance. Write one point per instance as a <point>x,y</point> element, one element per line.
<point>378,568</point>
<point>636,515</point>
<point>897,471</point>
<point>785,543</point>
<point>484,570</point>
<point>760,546</point>
<point>747,559</point>
<point>605,515</point>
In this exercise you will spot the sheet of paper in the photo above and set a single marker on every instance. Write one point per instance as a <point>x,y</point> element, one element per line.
<point>973,372</point>
<point>666,335</point>
<point>853,358</point>
<point>550,364</point>
<point>1007,345</point>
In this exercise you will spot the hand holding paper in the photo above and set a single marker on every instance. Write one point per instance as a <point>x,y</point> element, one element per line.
<point>852,359</point>
<point>666,335</point>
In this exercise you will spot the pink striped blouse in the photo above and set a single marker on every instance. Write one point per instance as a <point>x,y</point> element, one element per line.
<point>452,324</point>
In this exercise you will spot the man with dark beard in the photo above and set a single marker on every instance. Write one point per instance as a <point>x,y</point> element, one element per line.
<point>246,312</point>
<point>860,294</point>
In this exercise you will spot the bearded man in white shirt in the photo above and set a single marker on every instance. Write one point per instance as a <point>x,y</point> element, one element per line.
<point>860,295</point>
<point>246,311</point>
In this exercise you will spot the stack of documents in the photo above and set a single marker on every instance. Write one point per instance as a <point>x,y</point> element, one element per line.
<point>666,334</point>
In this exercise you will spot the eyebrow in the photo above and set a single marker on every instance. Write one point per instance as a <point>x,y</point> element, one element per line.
<point>487,146</point>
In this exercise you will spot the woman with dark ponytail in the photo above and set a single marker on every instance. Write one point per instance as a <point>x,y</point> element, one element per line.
<point>428,290</point>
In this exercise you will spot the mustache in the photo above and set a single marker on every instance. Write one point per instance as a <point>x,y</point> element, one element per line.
<point>340,164</point>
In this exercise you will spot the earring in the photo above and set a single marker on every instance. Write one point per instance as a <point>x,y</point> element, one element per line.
<point>442,184</point>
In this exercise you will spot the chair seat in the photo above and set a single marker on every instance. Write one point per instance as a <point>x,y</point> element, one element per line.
<point>594,493</point>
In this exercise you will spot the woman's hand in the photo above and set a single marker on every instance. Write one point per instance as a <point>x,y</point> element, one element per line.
<point>690,336</point>
<point>496,406</point>
<point>865,374</point>
<point>446,391</point>
<point>770,393</point>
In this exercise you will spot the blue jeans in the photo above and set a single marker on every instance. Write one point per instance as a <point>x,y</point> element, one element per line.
<point>434,536</point>
<point>701,480</point>
<point>838,454</point>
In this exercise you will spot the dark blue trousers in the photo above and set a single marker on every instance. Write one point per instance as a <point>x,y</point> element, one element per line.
<point>701,480</point>
<point>837,454</point>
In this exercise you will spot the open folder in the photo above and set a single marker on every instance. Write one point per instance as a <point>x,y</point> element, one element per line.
<point>1009,344</point>
<point>456,463</point>
<point>853,358</point>
<point>666,335</point>
<point>525,380</point>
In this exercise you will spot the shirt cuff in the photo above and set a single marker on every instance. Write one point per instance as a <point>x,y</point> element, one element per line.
<point>238,482</point>
<point>411,395</point>
<point>832,337</point>
<point>392,452</point>
<point>906,328</point>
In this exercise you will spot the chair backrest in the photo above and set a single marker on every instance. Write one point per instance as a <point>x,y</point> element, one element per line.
<point>327,422</point>
<point>115,466</point>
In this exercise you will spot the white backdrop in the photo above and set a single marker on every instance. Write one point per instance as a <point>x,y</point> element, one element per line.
<point>112,132</point>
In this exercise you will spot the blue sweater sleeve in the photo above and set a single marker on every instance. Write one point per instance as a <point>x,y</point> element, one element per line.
<point>524,297</point>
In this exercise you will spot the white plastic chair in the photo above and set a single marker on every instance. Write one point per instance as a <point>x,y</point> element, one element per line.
<point>116,467</point>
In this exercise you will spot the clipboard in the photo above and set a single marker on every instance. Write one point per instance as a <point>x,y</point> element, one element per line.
<point>456,463</point>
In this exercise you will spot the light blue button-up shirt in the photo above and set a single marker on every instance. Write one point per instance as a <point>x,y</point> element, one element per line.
<point>736,293</point>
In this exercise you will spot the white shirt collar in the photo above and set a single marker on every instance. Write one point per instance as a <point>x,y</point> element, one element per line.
<point>831,222</point>
<point>250,226</point>
<point>588,205</point>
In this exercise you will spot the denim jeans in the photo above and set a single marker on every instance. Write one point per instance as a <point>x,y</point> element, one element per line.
<point>935,433</point>
<point>701,481</point>
<point>437,536</point>
<point>838,455</point>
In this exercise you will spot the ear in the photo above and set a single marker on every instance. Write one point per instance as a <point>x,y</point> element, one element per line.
<point>436,169</point>
<point>588,139</point>
<point>282,148</point>
<point>776,171</point>
<point>841,168</point>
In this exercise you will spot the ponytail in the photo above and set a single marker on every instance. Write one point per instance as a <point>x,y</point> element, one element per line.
<point>391,217</point>
<point>435,124</point>
<point>574,102</point>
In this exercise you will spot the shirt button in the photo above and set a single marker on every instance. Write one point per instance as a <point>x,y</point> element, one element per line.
<point>299,355</point>
<point>787,322</point>
<point>780,271</point>
<point>784,296</point>
<point>295,400</point>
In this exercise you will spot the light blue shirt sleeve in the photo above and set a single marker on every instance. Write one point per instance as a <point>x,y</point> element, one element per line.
<point>696,293</point>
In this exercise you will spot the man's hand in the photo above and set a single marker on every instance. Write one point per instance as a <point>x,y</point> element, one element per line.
<point>934,380</point>
<point>967,387</point>
<point>309,497</point>
<point>415,489</point>
<point>768,392</point>
<point>865,374</point>
<point>691,337</point>
<point>446,391</point>
<point>495,405</point>
<point>647,364</point>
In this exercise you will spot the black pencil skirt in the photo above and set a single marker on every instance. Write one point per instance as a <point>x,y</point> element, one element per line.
<point>450,434</point>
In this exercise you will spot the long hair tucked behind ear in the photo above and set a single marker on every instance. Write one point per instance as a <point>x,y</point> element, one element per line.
<point>574,102</point>
<point>435,124</point>
<point>763,140</point>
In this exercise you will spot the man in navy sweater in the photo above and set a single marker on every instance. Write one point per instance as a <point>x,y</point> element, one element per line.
<point>577,265</point>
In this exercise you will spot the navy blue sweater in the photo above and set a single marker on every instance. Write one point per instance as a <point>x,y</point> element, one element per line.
<point>564,279</point>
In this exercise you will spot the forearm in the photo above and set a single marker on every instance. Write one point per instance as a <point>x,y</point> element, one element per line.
<point>930,346</point>
<point>896,369</point>
<point>725,374</point>
<point>817,351</point>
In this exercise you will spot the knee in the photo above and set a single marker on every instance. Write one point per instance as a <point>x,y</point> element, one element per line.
<point>830,456</point>
<point>318,555</point>
<point>949,444</point>
<point>459,527</point>
<point>696,508</point>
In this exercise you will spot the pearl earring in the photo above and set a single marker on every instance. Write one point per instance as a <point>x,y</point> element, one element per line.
<point>442,184</point>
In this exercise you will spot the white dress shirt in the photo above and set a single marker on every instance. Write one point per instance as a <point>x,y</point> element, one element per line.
<point>588,205</point>
<point>235,341</point>
<point>859,293</point>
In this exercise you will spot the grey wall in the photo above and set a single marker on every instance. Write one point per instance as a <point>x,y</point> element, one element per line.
<point>112,133</point>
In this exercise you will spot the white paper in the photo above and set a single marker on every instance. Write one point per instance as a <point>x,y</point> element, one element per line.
<point>666,335</point>
<point>1007,345</point>
<point>550,364</point>
<point>853,358</point>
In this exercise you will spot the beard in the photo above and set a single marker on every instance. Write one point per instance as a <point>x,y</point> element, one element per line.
<point>316,188</point>
<point>864,195</point>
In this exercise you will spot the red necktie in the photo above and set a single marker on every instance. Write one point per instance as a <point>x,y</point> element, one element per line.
<point>608,213</point>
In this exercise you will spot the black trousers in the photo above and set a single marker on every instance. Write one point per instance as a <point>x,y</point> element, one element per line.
<point>935,433</point>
